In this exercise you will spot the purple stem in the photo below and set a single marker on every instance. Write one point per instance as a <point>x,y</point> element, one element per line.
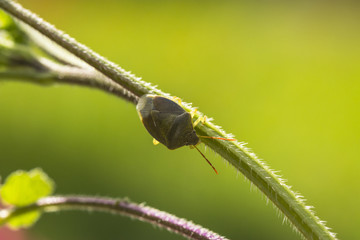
<point>124,207</point>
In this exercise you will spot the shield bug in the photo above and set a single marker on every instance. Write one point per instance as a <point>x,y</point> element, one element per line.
<point>168,123</point>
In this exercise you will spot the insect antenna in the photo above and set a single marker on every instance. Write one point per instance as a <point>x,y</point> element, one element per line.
<point>206,159</point>
<point>221,138</point>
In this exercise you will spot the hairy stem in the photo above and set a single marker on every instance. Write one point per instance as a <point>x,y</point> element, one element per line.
<point>87,77</point>
<point>116,73</point>
<point>116,206</point>
<point>52,72</point>
<point>289,203</point>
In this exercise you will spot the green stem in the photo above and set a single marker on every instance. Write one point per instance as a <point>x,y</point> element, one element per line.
<point>116,206</point>
<point>289,203</point>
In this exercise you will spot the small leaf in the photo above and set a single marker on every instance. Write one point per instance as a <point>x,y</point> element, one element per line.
<point>11,30</point>
<point>24,220</point>
<point>22,188</point>
<point>5,20</point>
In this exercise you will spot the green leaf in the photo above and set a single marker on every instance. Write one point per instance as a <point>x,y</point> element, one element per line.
<point>22,188</point>
<point>10,30</point>
<point>5,20</point>
<point>24,220</point>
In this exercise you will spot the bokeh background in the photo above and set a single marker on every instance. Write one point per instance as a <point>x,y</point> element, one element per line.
<point>283,77</point>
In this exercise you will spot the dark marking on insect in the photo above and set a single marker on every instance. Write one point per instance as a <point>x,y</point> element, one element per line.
<point>169,123</point>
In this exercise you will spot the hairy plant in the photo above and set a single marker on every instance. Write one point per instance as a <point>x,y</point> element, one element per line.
<point>82,66</point>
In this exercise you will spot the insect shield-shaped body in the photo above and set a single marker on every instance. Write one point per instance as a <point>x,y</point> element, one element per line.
<point>167,121</point>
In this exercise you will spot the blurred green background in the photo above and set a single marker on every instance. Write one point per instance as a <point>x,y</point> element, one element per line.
<point>283,77</point>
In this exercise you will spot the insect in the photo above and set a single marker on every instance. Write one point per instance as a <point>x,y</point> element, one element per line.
<point>168,123</point>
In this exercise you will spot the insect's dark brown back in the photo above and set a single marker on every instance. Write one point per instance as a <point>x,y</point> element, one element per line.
<point>145,108</point>
<point>165,105</point>
<point>182,132</point>
<point>166,121</point>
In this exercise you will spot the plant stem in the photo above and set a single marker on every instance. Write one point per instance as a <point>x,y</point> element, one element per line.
<point>87,77</point>
<point>290,204</point>
<point>116,206</point>
<point>116,73</point>
<point>55,73</point>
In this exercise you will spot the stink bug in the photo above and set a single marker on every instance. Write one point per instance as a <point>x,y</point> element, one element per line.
<point>168,123</point>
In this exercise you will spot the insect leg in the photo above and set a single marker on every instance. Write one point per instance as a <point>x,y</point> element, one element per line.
<point>200,119</point>
<point>203,120</point>
<point>177,99</point>
<point>193,112</point>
